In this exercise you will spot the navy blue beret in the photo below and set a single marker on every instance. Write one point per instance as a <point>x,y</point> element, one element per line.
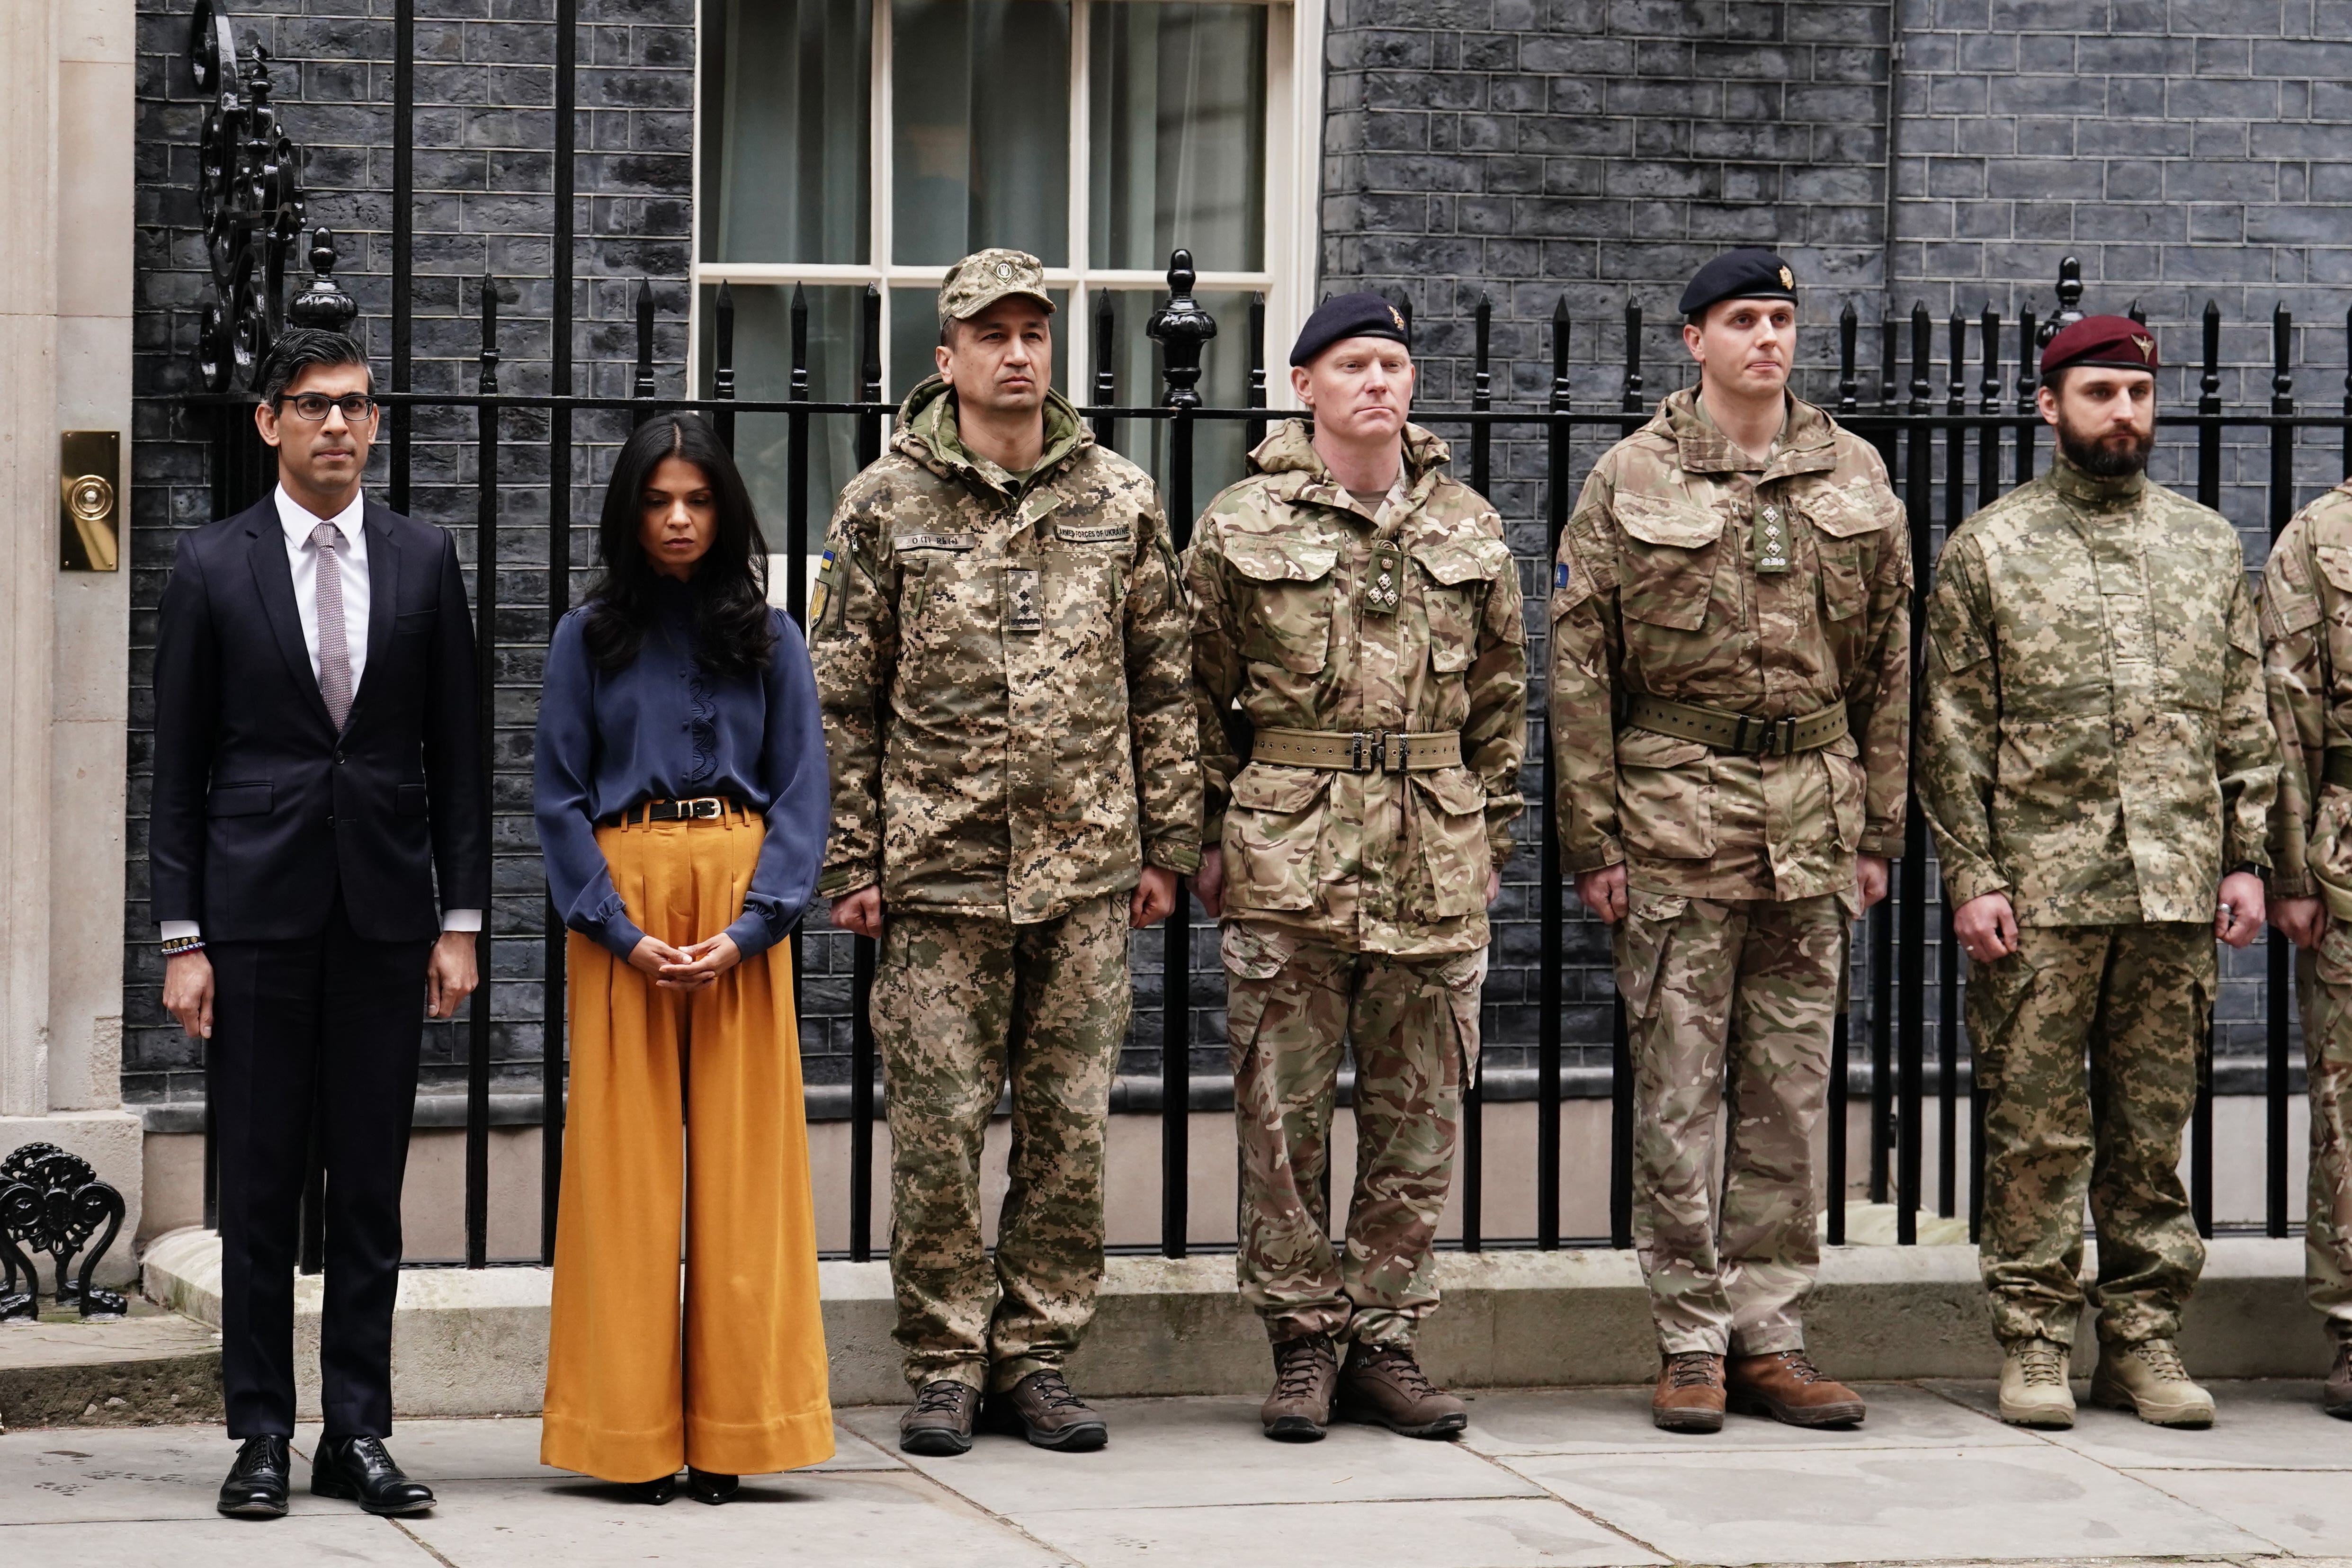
<point>1345,316</point>
<point>1747,273</point>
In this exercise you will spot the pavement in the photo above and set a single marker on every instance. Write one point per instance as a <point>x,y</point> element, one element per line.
<point>1541,1478</point>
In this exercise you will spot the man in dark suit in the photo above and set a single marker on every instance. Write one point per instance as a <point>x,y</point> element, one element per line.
<point>318,769</point>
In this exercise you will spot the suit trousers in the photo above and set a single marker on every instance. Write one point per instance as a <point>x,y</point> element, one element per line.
<point>327,1024</point>
<point>684,1103</point>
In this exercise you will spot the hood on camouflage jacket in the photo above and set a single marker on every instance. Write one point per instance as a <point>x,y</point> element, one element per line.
<point>1003,665</point>
<point>1286,634</point>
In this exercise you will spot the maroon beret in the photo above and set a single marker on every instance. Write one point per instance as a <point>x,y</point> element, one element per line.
<point>2101,340</point>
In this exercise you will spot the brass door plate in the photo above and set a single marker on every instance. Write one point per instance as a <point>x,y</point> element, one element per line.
<point>89,501</point>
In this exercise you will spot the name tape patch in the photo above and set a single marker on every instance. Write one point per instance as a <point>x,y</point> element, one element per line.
<point>1096,533</point>
<point>935,542</point>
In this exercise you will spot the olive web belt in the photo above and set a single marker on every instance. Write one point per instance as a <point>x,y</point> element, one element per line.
<point>1739,731</point>
<point>1359,751</point>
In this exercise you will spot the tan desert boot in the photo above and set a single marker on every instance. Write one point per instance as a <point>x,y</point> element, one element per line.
<point>2034,1389</point>
<point>2147,1379</point>
<point>1689,1395</point>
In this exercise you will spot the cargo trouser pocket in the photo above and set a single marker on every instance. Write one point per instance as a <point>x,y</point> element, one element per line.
<point>1274,831</point>
<point>1464,980</point>
<point>1643,938</point>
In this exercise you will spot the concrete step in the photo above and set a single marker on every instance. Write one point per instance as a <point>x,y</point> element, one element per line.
<point>473,1343</point>
<point>152,1368</point>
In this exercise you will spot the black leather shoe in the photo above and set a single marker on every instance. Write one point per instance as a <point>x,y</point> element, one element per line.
<point>710,1487</point>
<point>357,1469</point>
<point>255,1487</point>
<point>653,1493</point>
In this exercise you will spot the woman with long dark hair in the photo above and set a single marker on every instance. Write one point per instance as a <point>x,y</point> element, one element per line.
<point>682,810</point>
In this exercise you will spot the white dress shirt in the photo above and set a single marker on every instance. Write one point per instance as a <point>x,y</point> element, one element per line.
<point>303,559</point>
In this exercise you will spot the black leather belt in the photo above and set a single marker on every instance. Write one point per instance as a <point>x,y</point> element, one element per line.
<point>705,808</point>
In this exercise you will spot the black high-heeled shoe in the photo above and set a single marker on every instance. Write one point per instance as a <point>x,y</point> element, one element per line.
<point>710,1487</point>
<point>657,1492</point>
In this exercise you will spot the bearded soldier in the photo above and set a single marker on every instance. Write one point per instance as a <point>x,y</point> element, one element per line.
<point>2306,619</point>
<point>1001,650</point>
<point>2098,763</point>
<point>1730,655</point>
<point>1359,664</point>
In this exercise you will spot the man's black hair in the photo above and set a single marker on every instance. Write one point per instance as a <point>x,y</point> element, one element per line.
<point>304,348</point>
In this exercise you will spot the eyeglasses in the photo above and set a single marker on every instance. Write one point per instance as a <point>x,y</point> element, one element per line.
<point>313,405</point>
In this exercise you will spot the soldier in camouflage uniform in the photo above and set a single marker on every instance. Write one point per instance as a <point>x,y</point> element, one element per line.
<point>1001,648</point>
<point>1361,668</point>
<point>1730,646</point>
<point>2095,754</point>
<point>2306,621</point>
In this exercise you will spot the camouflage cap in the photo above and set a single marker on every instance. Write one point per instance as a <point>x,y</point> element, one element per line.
<point>984,277</point>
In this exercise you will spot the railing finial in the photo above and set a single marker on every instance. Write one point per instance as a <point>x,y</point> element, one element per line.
<point>1180,327</point>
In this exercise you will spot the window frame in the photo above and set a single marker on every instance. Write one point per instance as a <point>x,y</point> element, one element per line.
<point>1294,152</point>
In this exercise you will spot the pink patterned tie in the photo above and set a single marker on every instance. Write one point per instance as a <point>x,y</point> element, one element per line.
<point>334,646</point>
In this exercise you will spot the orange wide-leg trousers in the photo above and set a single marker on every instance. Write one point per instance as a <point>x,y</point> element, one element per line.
<point>685,1102</point>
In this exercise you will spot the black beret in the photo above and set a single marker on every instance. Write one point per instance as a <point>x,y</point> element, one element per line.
<point>1747,273</point>
<point>1345,316</point>
<point>2101,340</point>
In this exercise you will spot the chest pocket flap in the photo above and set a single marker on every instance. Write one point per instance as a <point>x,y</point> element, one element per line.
<point>2335,565</point>
<point>1844,510</point>
<point>1454,562</point>
<point>1667,573</point>
<point>1265,559</point>
<point>1668,519</point>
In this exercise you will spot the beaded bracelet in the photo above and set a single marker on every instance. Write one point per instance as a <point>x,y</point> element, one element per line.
<point>180,944</point>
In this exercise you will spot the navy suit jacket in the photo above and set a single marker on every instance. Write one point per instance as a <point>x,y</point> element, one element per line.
<point>261,810</point>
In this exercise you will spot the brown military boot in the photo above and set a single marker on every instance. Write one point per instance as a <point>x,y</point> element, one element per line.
<point>1689,1395</point>
<point>2336,1394</point>
<point>1042,1408</point>
<point>938,1424</point>
<point>1306,1376</point>
<point>2145,1377</point>
<point>1385,1387</point>
<point>1786,1387</point>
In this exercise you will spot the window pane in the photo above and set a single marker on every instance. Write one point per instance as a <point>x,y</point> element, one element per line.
<point>980,133</point>
<point>914,335</point>
<point>764,370</point>
<point>1179,133</point>
<point>785,90</point>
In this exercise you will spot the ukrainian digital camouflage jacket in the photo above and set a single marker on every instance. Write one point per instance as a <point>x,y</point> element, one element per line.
<point>1286,634</point>
<point>2094,741</point>
<point>1658,590</point>
<point>2307,623</point>
<point>1003,671</point>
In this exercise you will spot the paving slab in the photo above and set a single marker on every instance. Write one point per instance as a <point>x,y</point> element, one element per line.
<point>1617,1421</point>
<point>506,1448</point>
<point>348,1538</point>
<point>1856,1506</point>
<point>1479,1532</point>
<point>1182,1453</point>
<point>875,1520</point>
<point>2261,1425</point>
<point>77,1475</point>
<point>2296,1510</point>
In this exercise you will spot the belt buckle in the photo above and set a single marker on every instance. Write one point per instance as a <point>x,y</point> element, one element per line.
<point>705,807</point>
<point>1356,762</point>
